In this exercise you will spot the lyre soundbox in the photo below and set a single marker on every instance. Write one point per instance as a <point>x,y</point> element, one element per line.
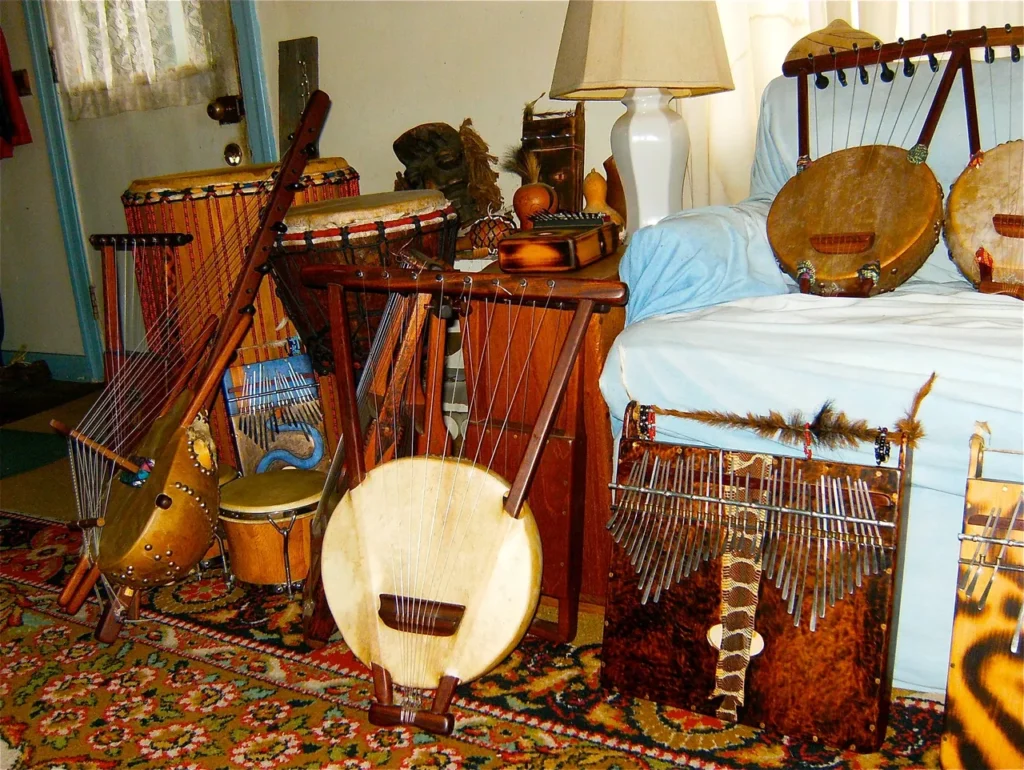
<point>756,588</point>
<point>985,687</point>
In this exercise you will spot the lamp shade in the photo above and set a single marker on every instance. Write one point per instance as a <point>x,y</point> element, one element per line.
<point>609,47</point>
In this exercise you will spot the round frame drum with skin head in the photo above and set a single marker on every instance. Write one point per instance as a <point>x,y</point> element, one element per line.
<point>429,532</point>
<point>983,215</point>
<point>862,213</point>
<point>257,512</point>
<point>372,230</point>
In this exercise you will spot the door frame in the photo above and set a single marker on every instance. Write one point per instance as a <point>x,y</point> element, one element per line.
<point>261,145</point>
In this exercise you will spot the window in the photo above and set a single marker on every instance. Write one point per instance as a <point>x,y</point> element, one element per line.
<point>115,56</point>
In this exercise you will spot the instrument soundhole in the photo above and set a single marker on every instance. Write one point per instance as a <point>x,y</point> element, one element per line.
<point>420,616</point>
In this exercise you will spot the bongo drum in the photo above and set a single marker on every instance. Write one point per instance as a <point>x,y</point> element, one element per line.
<point>220,208</point>
<point>266,519</point>
<point>983,229</point>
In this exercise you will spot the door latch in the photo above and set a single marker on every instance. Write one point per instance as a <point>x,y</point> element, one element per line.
<point>226,109</point>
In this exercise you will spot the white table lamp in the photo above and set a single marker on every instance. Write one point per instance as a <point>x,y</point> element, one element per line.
<point>643,54</point>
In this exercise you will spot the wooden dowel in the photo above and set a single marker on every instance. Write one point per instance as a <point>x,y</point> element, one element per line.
<point>956,60</point>
<point>111,313</point>
<point>121,462</point>
<point>76,577</point>
<point>84,587</point>
<point>971,105</point>
<point>345,381</point>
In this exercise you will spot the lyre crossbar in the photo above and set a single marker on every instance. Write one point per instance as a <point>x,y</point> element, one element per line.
<point>742,583</point>
<point>426,580</point>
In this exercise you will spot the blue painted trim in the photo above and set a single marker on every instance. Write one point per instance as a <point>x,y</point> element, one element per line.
<point>64,367</point>
<point>64,186</point>
<point>254,81</point>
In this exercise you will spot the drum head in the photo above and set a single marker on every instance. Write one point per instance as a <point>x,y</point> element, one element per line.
<point>272,492</point>
<point>226,177</point>
<point>427,529</point>
<point>360,209</point>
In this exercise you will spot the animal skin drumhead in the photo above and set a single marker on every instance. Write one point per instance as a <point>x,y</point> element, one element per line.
<point>427,529</point>
<point>986,189</point>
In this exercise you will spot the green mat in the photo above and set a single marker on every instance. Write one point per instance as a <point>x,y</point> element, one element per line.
<point>22,450</point>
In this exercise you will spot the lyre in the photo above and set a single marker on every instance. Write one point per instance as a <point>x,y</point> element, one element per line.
<point>431,564</point>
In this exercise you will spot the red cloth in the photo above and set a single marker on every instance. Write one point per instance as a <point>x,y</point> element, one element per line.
<point>12,116</point>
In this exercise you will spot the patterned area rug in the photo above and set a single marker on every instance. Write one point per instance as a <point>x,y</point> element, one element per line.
<point>217,676</point>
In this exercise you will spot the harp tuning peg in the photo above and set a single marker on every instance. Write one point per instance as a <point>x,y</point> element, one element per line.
<point>933,63</point>
<point>841,77</point>
<point>908,67</point>
<point>1007,28</point>
<point>990,54</point>
<point>887,74</point>
<point>876,45</point>
<point>820,81</point>
<point>1015,53</point>
<point>863,74</point>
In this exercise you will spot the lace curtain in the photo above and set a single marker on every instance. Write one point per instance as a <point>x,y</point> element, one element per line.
<point>122,55</point>
<point>758,35</point>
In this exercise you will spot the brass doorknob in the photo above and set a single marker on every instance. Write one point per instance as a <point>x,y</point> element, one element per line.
<point>226,109</point>
<point>232,154</point>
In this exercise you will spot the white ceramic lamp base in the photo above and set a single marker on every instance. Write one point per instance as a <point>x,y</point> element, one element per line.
<point>650,144</point>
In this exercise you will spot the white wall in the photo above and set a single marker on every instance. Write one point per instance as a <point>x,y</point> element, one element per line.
<point>389,66</point>
<point>39,307</point>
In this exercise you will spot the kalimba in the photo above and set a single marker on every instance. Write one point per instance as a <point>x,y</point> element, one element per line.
<point>788,572</point>
<point>985,688</point>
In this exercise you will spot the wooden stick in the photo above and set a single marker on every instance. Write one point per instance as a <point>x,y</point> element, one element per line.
<point>351,431</point>
<point>214,372</point>
<point>121,462</point>
<point>205,336</point>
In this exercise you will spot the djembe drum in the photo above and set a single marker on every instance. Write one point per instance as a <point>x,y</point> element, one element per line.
<point>376,230</point>
<point>266,519</point>
<point>220,208</point>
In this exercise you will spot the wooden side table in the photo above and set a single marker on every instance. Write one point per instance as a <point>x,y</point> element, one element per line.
<point>570,498</point>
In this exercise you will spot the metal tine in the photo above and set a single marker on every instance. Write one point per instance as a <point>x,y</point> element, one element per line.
<point>722,527</point>
<point>979,556</point>
<point>709,526</point>
<point>859,551</point>
<point>648,552</point>
<point>805,555</point>
<point>1002,552</point>
<point>770,532</point>
<point>618,506</point>
<point>625,507</point>
<point>820,572</point>
<point>825,530</point>
<point>688,524</point>
<point>657,551</point>
<point>833,568</point>
<point>875,535</point>
<point>782,578</point>
<point>839,564</point>
<point>695,538</point>
<point>794,551</point>
<point>678,524</point>
<point>783,520</point>
<point>642,510</point>
<point>1018,631</point>
<point>845,545</point>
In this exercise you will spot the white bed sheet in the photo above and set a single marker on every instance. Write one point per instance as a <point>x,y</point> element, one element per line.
<point>869,357</point>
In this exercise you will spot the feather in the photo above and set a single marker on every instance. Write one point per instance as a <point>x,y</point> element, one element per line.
<point>522,162</point>
<point>909,425</point>
<point>483,180</point>
<point>528,108</point>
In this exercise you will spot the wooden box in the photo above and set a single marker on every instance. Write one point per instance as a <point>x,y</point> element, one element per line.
<point>556,249</point>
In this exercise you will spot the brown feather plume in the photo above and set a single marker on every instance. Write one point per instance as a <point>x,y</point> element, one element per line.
<point>483,180</point>
<point>522,162</point>
<point>828,428</point>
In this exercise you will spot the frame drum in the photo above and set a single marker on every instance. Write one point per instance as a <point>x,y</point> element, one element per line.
<point>266,520</point>
<point>365,230</point>
<point>220,208</point>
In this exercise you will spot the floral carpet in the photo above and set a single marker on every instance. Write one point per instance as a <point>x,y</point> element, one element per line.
<point>217,676</point>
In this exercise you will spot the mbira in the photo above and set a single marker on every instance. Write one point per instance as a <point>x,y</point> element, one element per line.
<point>431,563</point>
<point>143,459</point>
<point>754,587</point>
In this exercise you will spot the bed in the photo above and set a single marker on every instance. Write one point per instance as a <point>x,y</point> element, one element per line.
<point>712,323</point>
